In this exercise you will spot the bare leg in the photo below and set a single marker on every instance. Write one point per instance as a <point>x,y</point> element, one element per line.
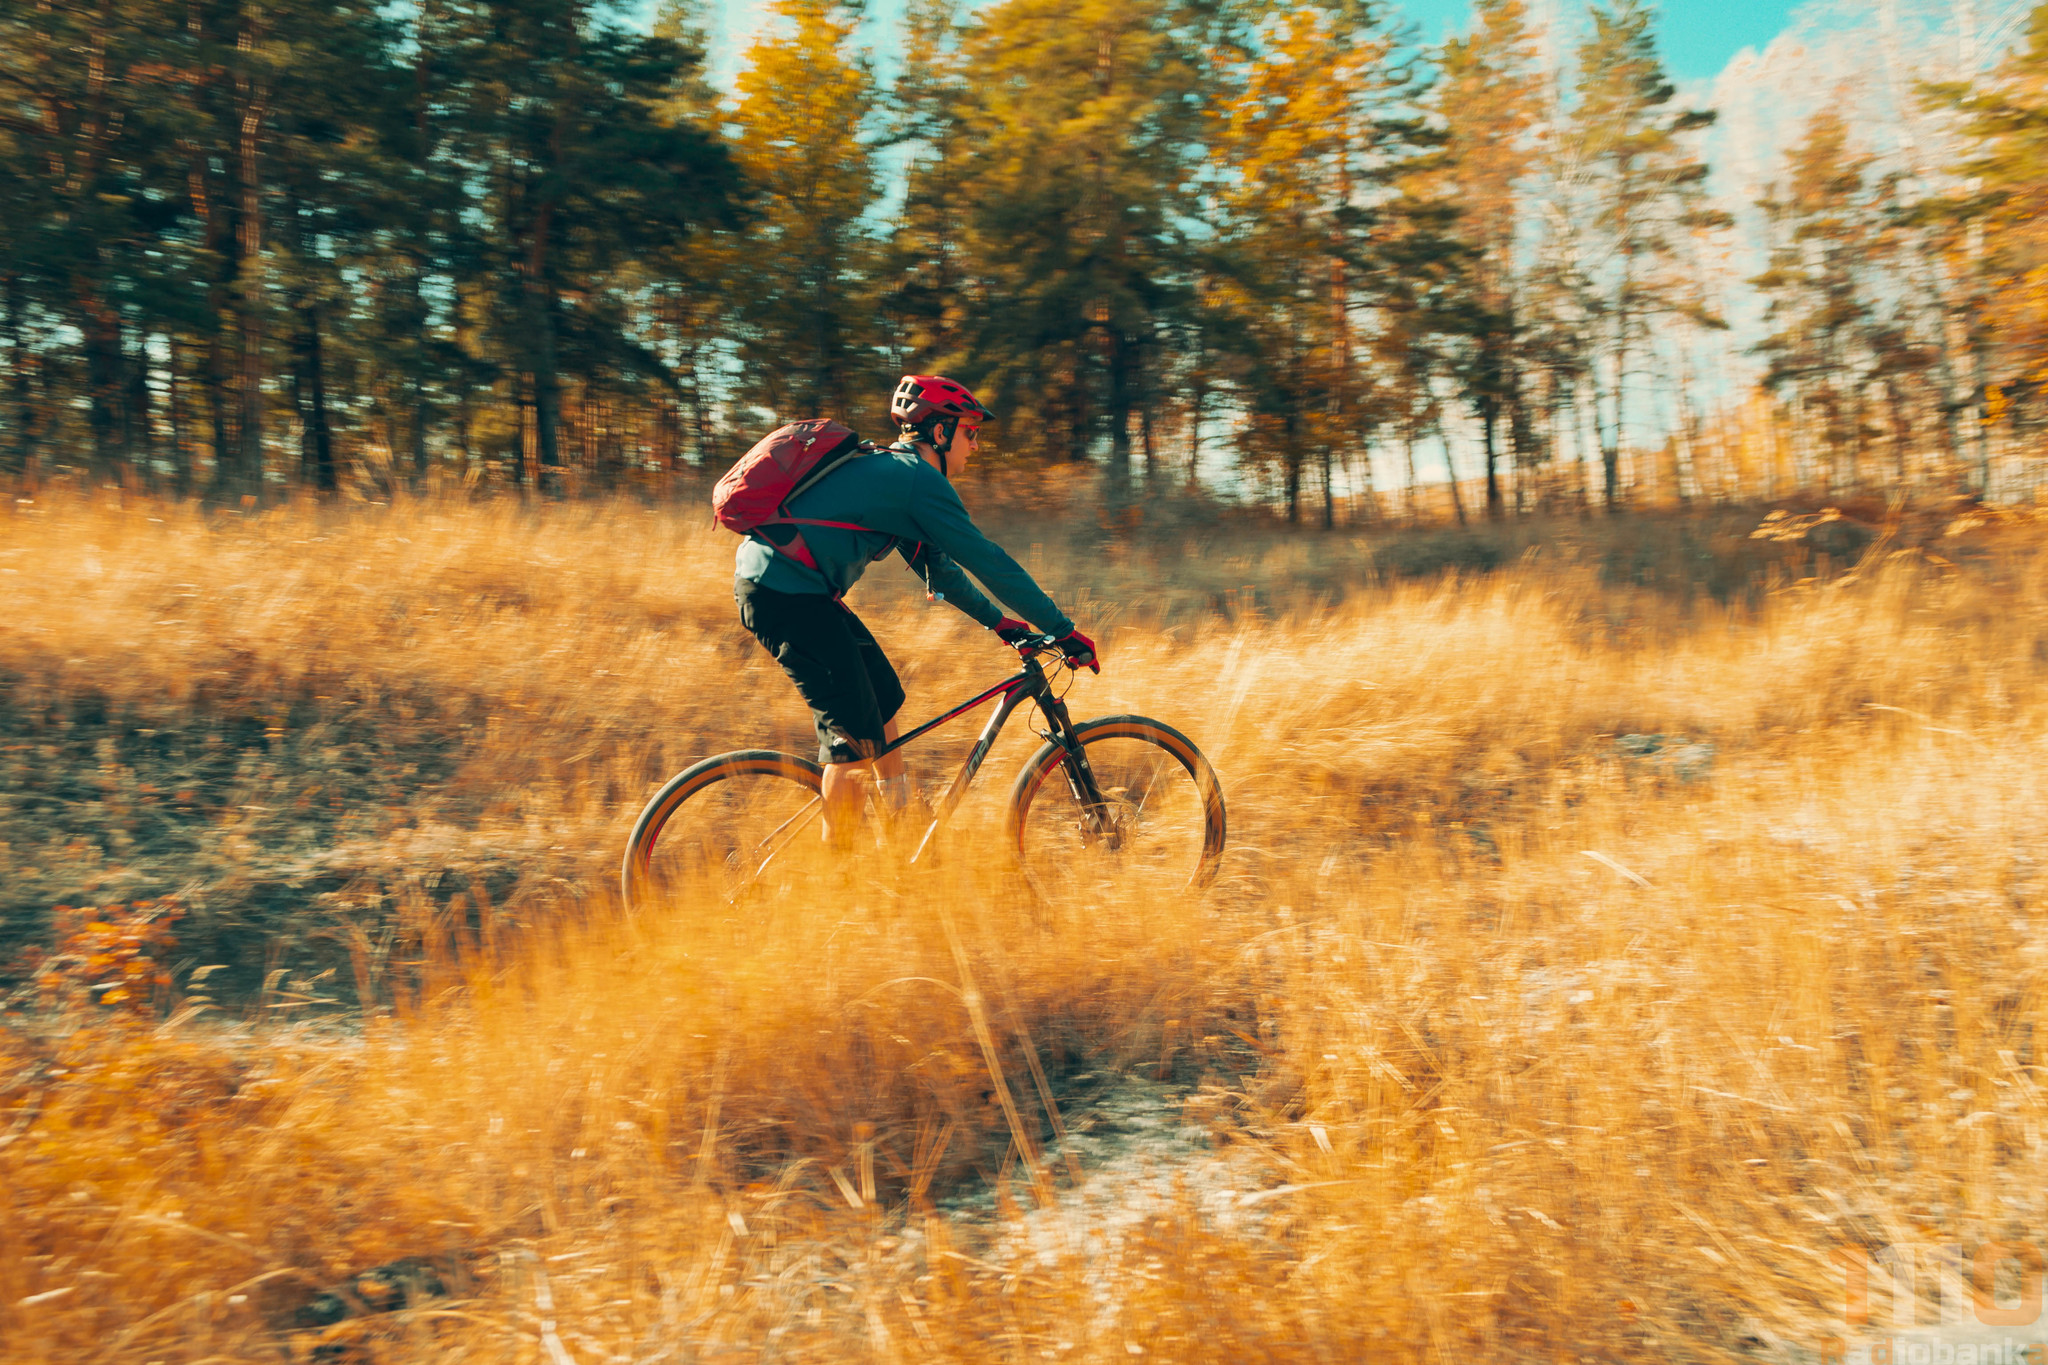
<point>842,790</point>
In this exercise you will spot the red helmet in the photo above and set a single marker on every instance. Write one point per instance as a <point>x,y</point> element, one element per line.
<point>923,400</point>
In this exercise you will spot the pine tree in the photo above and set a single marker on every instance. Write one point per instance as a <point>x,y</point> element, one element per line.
<point>1311,143</point>
<point>694,312</point>
<point>1636,178</point>
<point>925,277</point>
<point>2007,125</point>
<point>233,60</point>
<point>1489,100</point>
<point>1282,144</point>
<point>1824,286</point>
<point>806,103</point>
<point>1080,127</point>
<point>349,149</point>
<point>91,123</point>
<point>561,115</point>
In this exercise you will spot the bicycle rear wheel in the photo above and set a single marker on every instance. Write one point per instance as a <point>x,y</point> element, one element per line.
<point>720,826</point>
<point>1160,827</point>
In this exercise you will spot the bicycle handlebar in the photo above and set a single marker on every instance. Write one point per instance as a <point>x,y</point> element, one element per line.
<point>1032,646</point>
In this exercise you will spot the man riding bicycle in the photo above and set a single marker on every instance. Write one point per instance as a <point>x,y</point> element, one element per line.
<point>897,498</point>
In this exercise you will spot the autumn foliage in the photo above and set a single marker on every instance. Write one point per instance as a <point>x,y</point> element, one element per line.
<point>1285,248</point>
<point>117,958</point>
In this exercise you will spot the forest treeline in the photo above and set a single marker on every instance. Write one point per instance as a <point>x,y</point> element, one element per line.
<point>250,243</point>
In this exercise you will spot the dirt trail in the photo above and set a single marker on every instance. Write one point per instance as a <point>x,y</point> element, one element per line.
<point>1132,1154</point>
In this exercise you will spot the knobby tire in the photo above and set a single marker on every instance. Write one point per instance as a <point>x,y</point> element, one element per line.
<point>661,814</point>
<point>1043,810</point>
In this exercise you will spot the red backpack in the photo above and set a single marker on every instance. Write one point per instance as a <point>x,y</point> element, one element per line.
<point>786,462</point>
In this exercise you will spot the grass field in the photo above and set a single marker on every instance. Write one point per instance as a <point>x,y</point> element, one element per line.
<point>1612,942</point>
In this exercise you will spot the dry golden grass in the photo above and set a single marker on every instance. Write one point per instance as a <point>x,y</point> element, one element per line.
<point>1500,1098</point>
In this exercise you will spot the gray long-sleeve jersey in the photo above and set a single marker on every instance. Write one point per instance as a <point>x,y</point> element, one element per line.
<point>905,505</point>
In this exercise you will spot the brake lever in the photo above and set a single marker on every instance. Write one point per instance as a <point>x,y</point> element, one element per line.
<point>1037,645</point>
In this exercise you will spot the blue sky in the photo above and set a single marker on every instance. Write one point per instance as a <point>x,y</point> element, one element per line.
<point>1697,36</point>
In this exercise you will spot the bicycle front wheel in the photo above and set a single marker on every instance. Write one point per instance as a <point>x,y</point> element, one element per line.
<point>1158,828</point>
<point>721,826</point>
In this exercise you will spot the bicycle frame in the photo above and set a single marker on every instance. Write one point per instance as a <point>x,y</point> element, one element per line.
<point>1029,685</point>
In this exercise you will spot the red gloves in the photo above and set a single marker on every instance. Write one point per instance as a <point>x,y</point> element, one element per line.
<point>1080,650</point>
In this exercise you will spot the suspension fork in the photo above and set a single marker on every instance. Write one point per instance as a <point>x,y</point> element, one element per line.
<point>1079,773</point>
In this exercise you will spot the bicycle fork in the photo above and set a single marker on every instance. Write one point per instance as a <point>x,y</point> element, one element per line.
<point>1096,820</point>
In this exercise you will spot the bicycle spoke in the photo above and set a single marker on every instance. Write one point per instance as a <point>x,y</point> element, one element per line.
<point>1149,781</point>
<point>722,828</point>
<point>800,820</point>
<point>1152,832</point>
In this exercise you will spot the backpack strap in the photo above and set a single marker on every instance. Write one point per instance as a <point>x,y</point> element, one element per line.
<point>814,521</point>
<point>849,448</point>
<point>852,447</point>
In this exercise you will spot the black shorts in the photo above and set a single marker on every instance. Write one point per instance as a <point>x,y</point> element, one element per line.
<point>845,678</point>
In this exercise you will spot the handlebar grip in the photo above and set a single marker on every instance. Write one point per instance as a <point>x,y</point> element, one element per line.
<point>1036,645</point>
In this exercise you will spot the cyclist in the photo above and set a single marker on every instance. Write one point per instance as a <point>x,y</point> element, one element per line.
<point>896,498</point>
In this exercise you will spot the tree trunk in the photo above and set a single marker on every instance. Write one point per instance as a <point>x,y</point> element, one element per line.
<point>248,473</point>
<point>98,321</point>
<point>1610,451</point>
<point>1408,446</point>
<point>1119,421</point>
<point>1489,420</point>
<point>422,151</point>
<point>417,392</point>
<point>106,382</point>
<point>1522,442</point>
<point>1684,456</point>
<point>1151,454</point>
<point>1858,418</point>
<point>176,402</point>
<point>465,423</point>
<point>141,432</point>
<point>214,208</point>
<point>1981,364</point>
<point>590,424</point>
<point>1902,432</point>
<point>216,383</point>
<point>523,452</point>
<point>21,418</point>
<point>1291,454</point>
<point>547,391</point>
<point>1451,474</point>
<point>700,418</point>
<point>1077,409</point>
<point>316,435</point>
<point>1591,445</point>
<point>1799,435</point>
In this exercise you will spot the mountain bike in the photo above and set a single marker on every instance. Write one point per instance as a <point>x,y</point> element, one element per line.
<point>1136,804</point>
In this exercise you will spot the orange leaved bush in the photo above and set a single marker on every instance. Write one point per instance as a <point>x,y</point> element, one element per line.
<point>116,957</point>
